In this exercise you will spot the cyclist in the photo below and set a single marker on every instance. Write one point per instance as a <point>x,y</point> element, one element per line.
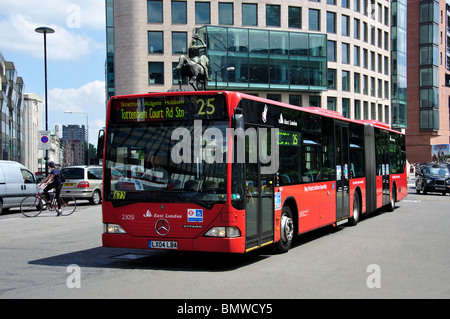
<point>53,180</point>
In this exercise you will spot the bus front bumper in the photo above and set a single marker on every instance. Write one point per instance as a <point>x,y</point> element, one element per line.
<point>209,244</point>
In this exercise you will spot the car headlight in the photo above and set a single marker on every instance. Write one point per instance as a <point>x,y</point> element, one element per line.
<point>447,182</point>
<point>113,229</point>
<point>428,181</point>
<point>230,232</point>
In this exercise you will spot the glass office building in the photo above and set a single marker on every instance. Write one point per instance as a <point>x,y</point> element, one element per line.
<point>262,60</point>
<point>334,54</point>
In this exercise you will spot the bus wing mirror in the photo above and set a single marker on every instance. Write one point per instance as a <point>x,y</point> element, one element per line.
<point>100,144</point>
<point>238,121</point>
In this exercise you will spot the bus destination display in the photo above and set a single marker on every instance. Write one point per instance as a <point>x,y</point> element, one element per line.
<point>168,108</point>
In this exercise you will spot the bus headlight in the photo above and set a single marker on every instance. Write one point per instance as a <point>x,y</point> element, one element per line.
<point>113,229</point>
<point>229,232</point>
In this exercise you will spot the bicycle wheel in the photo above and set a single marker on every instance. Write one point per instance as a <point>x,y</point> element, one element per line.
<point>68,205</point>
<point>31,206</point>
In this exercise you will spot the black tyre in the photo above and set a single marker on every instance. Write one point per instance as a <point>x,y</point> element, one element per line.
<point>68,205</point>
<point>286,231</point>
<point>31,206</point>
<point>356,210</point>
<point>391,206</point>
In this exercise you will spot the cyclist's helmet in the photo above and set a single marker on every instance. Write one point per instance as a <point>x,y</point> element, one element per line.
<point>51,164</point>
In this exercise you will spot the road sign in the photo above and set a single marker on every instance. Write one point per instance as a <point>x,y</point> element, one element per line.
<point>44,140</point>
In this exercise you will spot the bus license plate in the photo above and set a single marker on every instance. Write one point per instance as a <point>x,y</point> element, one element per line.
<point>162,244</point>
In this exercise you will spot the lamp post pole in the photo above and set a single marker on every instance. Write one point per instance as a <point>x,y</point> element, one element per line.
<point>45,30</point>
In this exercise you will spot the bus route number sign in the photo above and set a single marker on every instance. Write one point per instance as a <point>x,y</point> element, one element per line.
<point>168,108</point>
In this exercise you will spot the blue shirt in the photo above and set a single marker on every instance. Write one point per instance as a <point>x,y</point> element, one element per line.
<point>57,178</point>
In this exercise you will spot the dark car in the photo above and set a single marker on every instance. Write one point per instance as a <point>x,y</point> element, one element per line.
<point>433,178</point>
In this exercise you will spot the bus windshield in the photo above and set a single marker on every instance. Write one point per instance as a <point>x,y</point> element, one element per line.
<point>156,164</point>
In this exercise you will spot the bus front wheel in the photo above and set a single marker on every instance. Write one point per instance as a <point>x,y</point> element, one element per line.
<point>286,230</point>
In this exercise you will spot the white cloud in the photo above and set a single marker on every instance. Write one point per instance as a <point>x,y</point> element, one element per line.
<point>18,34</point>
<point>67,13</point>
<point>89,98</point>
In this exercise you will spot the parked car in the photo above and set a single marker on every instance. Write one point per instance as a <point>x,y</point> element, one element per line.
<point>83,182</point>
<point>16,182</point>
<point>433,178</point>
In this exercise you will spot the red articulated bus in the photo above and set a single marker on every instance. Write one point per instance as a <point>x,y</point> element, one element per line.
<point>229,172</point>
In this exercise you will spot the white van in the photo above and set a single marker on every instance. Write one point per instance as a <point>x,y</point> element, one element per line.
<point>16,182</point>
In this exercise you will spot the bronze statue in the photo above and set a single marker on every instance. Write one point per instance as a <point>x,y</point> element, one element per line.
<point>195,67</point>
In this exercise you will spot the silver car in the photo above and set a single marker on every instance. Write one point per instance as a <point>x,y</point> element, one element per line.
<point>83,182</point>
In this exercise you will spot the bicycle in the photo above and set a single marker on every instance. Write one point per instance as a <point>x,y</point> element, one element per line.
<point>32,206</point>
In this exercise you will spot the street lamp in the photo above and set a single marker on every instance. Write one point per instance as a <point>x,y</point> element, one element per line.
<point>45,30</point>
<point>87,131</point>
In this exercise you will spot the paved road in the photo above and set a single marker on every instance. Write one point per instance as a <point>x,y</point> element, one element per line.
<point>404,254</point>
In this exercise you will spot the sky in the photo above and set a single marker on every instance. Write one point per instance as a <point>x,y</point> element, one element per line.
<point>75,56</point>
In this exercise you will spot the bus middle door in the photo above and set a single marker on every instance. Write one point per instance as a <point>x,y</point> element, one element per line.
<point>259,189</point>
<point>342,171</point>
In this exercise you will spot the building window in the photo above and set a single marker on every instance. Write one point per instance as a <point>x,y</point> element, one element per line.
<point>372,87</point>
<point>156,73</point>
<point>366,110</point>
<point>345,4</point>
<point>179,42</point>
<point>331,79</point>
<point>155,11</point>
<point>295,17</point>
<point>202,13</point>
<point>357,110</point>
<point>345,53</point>
<point>429,119</point>
<point>331,51</point>
<point>250,14</point>
<point>331,103</point>
<point>226,13</point>
<point>345,81</point>
<point>295,99</point>
<point>365,59</point>
<point>331,22</point>
<point>365,84</point>
<point>356,56</point>
<point>274,97</point>
<point>314,100</point>
<point>345,20</point>
<point>179,12</point>
<point>346,108</point>
<point>356,28</point>
<point>356,82</point>
<point>155,42</point>
<point>314,20</point>
<point>272,15</point>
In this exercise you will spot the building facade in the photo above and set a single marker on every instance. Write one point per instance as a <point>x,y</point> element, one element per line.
<point>74,132</point>
<point>428,78</point>
<point>11,105</point>
<point>32,122</point>
<point>334,54</point>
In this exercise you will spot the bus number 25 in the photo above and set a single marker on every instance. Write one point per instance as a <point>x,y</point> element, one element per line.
<point>207,108</point>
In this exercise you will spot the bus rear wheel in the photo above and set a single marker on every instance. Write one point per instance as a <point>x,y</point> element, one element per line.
<point>356,210</point>
<point>286,231</point>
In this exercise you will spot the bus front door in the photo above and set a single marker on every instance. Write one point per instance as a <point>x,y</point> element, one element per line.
<point>342,171</point>
<point>259,209</point>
